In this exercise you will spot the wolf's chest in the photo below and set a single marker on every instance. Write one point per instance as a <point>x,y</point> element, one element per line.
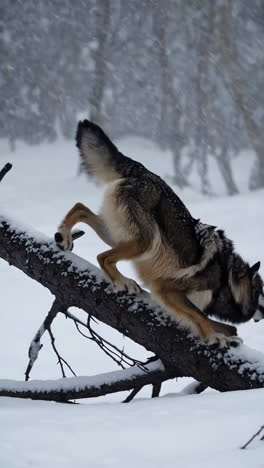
<point>201,299</point>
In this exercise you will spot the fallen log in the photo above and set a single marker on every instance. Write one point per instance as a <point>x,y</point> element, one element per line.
<point>74,388</point>
<point>76,282</point>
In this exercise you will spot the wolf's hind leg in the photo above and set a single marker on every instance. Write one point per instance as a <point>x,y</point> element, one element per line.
<point>123,251</point>
<point>80,214</point>
<point>189,316</point>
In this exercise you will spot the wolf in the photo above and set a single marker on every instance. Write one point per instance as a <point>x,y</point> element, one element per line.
<point>187,265</point>
<point>240,296</point>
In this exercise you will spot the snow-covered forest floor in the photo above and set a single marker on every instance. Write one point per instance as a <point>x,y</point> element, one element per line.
<point>204,430</point>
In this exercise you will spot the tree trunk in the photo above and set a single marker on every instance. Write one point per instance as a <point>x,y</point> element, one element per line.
<point>224,164</point>
<point>76,282</point>
<point>227,45</point>
<point>103,18</point>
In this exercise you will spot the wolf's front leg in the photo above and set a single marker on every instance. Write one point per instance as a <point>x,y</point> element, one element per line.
<point>63,236</point>
<point>123,251</point>
<point>80,214</point>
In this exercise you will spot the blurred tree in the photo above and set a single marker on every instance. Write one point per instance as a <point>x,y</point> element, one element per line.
<point>102,18</point>
<point>187,75</point>
<point>239,87</point>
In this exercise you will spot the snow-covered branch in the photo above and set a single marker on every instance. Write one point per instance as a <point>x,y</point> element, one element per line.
<point>74,388</point>
<point>36,345</point>
<point>75,282</point>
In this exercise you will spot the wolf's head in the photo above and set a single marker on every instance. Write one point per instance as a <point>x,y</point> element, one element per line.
<point>247,288</point>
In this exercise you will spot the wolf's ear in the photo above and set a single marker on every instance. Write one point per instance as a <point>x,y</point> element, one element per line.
<point>254,269</point>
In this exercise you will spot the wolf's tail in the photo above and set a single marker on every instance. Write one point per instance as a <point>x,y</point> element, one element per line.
<point>100,158</point>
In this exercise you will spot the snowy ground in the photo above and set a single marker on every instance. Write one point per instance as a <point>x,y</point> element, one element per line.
<point>204,430</point>
<point>191,431</point>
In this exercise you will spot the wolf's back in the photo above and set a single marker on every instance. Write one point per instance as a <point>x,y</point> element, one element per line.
<point>100,158</point>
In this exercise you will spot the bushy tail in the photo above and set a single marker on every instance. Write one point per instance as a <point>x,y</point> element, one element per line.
<point>100,157</point>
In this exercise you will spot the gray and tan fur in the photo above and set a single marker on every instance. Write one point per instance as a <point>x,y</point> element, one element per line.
<point>240,296</point>
<point>144,221</point>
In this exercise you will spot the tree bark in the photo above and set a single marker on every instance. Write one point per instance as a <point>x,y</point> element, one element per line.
<point>76,282</point>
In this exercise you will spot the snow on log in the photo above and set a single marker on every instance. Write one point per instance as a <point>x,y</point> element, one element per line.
<point>76,282</point>
<point>74,388</point>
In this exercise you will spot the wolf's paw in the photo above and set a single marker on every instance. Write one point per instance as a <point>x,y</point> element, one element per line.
<point>220,340</point>
<point>63,239</point>
<point>126,284</point>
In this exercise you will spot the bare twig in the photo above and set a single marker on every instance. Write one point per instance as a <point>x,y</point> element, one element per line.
<point>112,350</point>
<point>61,360</point>
<point>156,387</point>
<point>252,438</point>
<point>132,395</point>
<point>118,355</point>
<point>5,170</point>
